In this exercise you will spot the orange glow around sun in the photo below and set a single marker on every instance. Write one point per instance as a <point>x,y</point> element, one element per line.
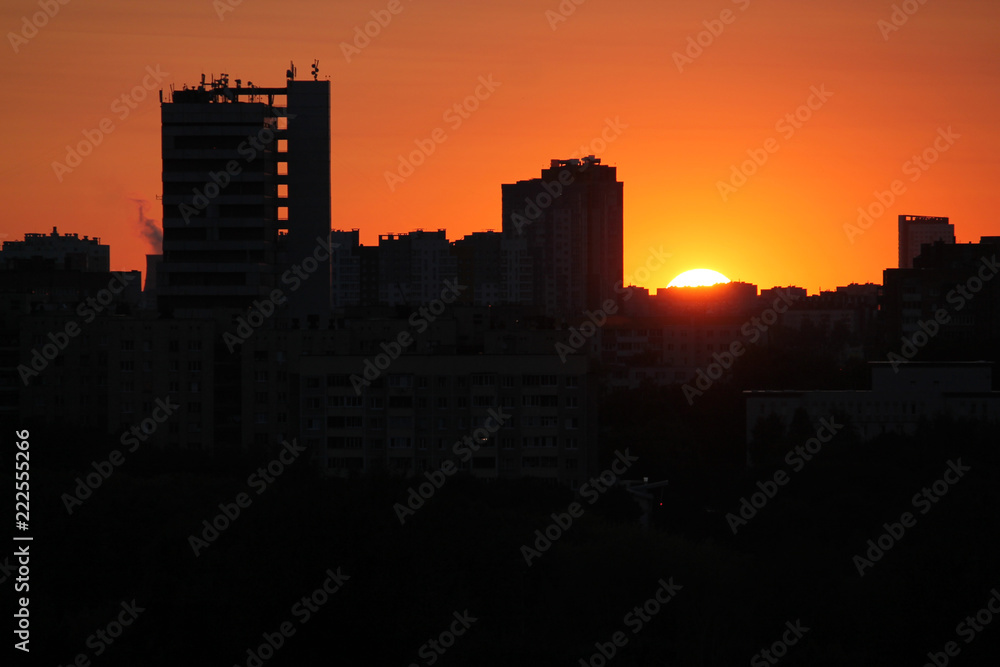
<point>82,128</point>
<point>698,278</point>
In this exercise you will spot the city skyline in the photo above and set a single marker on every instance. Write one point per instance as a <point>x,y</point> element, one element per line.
<point>542,332</point>
<point>856,141</point>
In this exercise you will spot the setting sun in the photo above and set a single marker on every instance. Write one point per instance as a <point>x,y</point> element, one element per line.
<point>698,278</point>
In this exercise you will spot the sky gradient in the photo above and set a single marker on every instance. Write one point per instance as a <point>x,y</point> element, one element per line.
<point>682,123</point>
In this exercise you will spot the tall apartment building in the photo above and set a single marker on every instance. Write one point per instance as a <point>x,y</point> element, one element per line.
<point>246,197</point>
<point>916,230</point>
<point>479,265</point>
<point>572,219</point>
<point>346,267</point>
<point>413,267</point>
<point>956,282</point>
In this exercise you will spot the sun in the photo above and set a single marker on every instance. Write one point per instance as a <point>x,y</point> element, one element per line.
<point>698,278</point>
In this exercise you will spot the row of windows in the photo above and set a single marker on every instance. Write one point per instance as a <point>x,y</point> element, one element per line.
<point>404,381</point>
<point>477,463</point>
<point>128,345</point>
<point>442,402</point>
<point>423,442</point>
<point>128,366</point>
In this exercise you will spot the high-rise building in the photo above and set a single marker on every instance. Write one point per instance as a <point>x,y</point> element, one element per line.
<point>479,263</point>
<point>916,230</point>
<point>246,197</point>
<point>413,267</point>
<point>571,219</point>
<point>345,248</point>
<point>949,302</point>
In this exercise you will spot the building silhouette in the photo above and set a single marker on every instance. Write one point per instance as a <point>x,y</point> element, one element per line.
<point>952,291</point>
<point>571,219</point>
<point>62,251</point>
<point>916,230</point>
<point>246,197</point>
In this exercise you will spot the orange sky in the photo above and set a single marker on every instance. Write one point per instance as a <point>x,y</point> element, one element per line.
<point>607,60</point>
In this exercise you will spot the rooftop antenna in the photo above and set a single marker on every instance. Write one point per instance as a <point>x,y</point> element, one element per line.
<point>291,71</point>
<point>315,69</point>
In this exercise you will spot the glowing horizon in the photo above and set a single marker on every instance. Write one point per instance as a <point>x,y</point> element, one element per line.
<point>806,201</point>
<point>698,278</point>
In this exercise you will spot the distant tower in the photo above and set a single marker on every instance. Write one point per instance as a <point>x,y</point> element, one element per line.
<point>916,230</point>
<point>571,221</point>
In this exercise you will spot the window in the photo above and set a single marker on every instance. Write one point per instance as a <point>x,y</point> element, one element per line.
<point>540,401</point>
